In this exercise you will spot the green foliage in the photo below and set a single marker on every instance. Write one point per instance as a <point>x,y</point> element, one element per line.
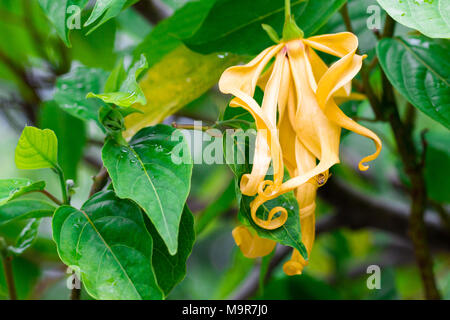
<point>144,172</point>
<point>25,209</point>
<point>170,80</point>
<point>13,188</point>
<point>171,269</point>
<point>66,14</point>
<point>26,238</point>
<point>134,234</point>
<point>72,88</point>
<point>57,13</point>
<point>36,149</point>
<point>430,17</point>
<point>90,240</point>
<point>235,25</point>
<point>418,68</point>
<point>122,88</point>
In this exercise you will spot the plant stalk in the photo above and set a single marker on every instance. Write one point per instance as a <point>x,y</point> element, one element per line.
<point>62,182</point>
<point>7,267</point>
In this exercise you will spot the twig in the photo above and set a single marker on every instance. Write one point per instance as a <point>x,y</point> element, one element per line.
<point>100,181</point>
<point>7,266</point>
<point>153,12</point>
<point>346,17</point>
<point>51,197</point>
<point>423,139</point>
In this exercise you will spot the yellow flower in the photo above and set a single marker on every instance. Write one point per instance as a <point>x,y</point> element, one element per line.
<point>298,126</point>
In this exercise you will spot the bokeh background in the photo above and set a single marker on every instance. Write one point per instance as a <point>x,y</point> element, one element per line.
<point>362,217</point>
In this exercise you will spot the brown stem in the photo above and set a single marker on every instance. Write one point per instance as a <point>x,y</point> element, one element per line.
<point>346,17</point>
<point>413,167</point>
<point>75,294</point>
<point>100,181</point>
<point>152,11</point>
<point>8,269</point>
<point>51,197</point>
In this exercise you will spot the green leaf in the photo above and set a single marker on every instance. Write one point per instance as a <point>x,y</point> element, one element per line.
<point>176,75</point>
<point>418,68</point>
<point>107,242</point>
<point>290,233</point>
<point>13,188</point>
<point>72,88</point>
<point>57,13</point>
<point>25,209</point>
<point>128,92</point>
<point>146,173</point>
<point>171,269</point>
<point>437,169</point>
<point>26,238</point>
<point>235,25</point>
<point>430,17</point>
<point>36,149</point>
<point>111,8</point>
<point>71,134</point>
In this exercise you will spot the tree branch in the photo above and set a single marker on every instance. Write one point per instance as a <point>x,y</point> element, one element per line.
<point>152,11</point>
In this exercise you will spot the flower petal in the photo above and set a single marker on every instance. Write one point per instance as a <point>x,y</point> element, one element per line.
<point>251,245</point>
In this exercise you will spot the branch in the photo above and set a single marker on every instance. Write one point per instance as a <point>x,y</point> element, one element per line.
<point>8,269</point>
<point>154,12</point>
<point>100,181</point>
<point>358,211</point>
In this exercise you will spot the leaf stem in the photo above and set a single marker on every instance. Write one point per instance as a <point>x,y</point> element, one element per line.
<point>7,266</point>
<point>62,182</point>
<point>51,197</point>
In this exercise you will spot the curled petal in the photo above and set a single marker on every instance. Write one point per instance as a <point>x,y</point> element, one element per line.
<point>271,223</point>
<point>335,114</point>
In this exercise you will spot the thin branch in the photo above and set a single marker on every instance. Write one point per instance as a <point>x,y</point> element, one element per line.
<point>346,17</point>
<point>51,197</point>
<point>8,269</point>
<point>99,181</point>
<point>152,11</point>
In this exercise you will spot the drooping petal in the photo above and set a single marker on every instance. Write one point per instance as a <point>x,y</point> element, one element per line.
<point>336,115</point>
<point>336,77</point>
<point>251,245</point>
<point>245,78</point>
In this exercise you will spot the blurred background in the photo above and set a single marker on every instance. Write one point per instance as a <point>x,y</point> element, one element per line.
<point>362,218</point>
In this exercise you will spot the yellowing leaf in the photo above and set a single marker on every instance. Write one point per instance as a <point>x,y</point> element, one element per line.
<point>179,78</point>
<point>36,149</point>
